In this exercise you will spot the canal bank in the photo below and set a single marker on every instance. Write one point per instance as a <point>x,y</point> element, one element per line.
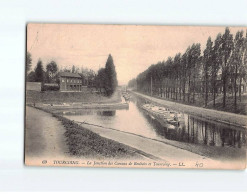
<point>59,102</point>
<point>201,138</point>
<point>74,106</point>
<point>51,136</point>
<point>73,140</point>
<point>137,147</point>
<point>158,150</point>
<point>212,115</point>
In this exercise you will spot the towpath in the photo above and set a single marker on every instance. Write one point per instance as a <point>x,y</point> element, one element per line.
<point>43,136</point>
<point>161,151</point>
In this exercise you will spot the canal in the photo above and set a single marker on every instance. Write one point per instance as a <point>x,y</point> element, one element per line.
<point>192,130</point>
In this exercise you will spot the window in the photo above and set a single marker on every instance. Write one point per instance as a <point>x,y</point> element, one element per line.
<point>62,80</point>
<point>71,80</point>
<point>67,80</point>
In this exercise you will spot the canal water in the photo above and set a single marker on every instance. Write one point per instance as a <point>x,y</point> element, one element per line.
<point>138,121</point>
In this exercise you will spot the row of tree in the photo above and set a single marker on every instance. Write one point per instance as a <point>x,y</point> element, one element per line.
<point>105,79</point>
<point>39,74</point>
<point>220,68</point>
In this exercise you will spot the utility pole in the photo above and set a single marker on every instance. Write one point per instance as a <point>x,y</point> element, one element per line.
<point>151,86</point>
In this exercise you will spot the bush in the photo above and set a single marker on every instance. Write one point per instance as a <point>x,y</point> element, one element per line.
<point>50,88</point>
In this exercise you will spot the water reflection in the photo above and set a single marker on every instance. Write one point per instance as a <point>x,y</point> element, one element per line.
<point>107,113</point>
<point>85,112</point>
<point>198,130</point>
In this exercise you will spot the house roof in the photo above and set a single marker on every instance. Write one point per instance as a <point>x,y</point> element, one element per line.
<point>69,74</point>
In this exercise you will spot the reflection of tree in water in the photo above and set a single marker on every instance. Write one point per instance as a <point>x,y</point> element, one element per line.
<point>212,133</point>
<point>107,113</point>
<point>73,112</point>
<point>232,138</point>
<point>199,132</point>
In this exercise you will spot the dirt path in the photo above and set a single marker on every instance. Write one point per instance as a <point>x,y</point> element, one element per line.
<point>44,136</point>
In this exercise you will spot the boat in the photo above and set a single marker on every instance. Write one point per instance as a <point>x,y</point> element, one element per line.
<point>126,96</point>
<point>166,117</point>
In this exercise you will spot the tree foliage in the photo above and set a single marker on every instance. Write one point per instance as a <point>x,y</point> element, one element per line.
<point>51,71</point>
<point>28,62</point>
<point>107,77</point>
<point>219,69</point>
<point>132,83</point>
<point>207,62</point>
<point>39,72</point>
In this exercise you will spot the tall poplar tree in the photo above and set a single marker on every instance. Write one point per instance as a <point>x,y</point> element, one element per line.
<point>215,66</point>
<point>111,76</point>
<point>243,67</point>
<point>207,59</point>
<point>236,61</point>
<point>226,53</point>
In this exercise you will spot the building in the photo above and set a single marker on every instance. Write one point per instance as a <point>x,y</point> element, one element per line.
<point>70,81</point>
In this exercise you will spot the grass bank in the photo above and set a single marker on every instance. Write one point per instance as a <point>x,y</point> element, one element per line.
<point>85,143</point>
<point>240,109</point>
<point>200,102</point>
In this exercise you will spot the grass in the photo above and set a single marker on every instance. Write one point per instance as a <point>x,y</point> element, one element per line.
<point>57,97</point>
<point>240,109</point>
<point>83,142</point>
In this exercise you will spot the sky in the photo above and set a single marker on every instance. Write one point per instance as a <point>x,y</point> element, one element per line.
<point>133,47</point>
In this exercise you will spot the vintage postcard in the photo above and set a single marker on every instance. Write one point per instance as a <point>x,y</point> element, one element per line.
<point>136,96</point>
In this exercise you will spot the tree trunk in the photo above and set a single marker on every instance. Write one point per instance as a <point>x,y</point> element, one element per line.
<point>188,128</point>
<point>240,83</point>
<point>183,91</point>
<point>194,86</point>
<point>214,94</point>
<point>176,90</point>
<point>235,89</point>
<point>180,91</point>
<point>206,91</point>
<point>224,93</point>
<point>189,90</point>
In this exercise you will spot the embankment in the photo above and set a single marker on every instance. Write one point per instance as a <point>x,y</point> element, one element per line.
<point>57,97</point>
<point>53,100</point>
<point>84,143</point>
<point>77,106</point>
<point>209,114</point>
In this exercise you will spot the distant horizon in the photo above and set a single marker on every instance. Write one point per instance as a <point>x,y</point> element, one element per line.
<point>133,47</point>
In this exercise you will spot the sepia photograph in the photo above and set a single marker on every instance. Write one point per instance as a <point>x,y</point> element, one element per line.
<point>136,96</point>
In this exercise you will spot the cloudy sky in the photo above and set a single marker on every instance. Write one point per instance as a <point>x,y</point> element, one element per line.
<point>133,47</point>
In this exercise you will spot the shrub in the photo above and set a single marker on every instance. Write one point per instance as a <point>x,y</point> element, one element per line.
<point>50,88</point>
